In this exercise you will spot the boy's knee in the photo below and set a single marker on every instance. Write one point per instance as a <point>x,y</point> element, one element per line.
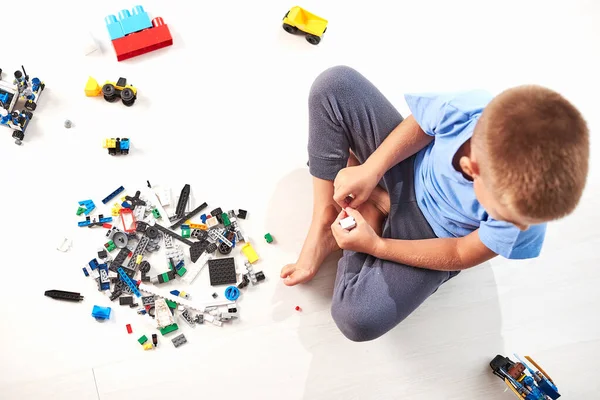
<point>333,82</point>
<point>360,322</point>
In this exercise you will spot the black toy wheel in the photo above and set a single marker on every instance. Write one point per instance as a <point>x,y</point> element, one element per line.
<point>30,105</point>
<point>128,97</point>
<point>289,28</point>
<point>19,135</point>
<point>28,114</point>
<point>109,92</point>
<point>312,39</point>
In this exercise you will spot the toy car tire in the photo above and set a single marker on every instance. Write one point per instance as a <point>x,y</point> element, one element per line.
<point>312,39</point>
<point>109,92</point>
<point>289,28</point>
<point>28,114</point>
<point>128,97</point>
<point>30,105</point>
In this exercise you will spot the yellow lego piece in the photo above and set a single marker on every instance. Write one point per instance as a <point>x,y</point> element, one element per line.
<point>110,143</point>
<point>198,226</point>
<point>139,258</point>
<point>92,88</point>
<point>148,346</point>
<point>115,210</point>
<point>250,254</point>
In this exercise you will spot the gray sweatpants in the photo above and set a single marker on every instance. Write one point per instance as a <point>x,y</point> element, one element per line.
<point>371,296</point>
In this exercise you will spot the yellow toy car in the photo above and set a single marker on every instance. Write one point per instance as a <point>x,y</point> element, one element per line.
<point>112,91</point>
<point>298,19</point>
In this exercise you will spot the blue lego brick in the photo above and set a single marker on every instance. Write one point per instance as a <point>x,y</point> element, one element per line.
<point>129,282</point>
<point>89,205</point>
<point>112,195</point>
<point>84,223</point>
<point>125,205</point>
<point>86,273</point>
<point>134,21</point>
<point>115,31</point>
<point>93,264</point>
<point>174,292</point>
<point>124,144</point>
<point>203,218</point>
<point>105,220</point>
<point>101,312</point>
<point>179,265</point>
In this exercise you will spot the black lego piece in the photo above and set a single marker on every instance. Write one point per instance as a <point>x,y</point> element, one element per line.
<point>126,301</point>
<point>260,276</point>
<point>211,248</point>
<point>167,231</point>
<point>217,214</point>
<point>224,248</point>
<point>102,254</point>
<point>222,271</point>
<point>115,294</point>
<point>135,200</point>
<point>189,215</point>
<point>242,213</point>
<point>245,281</point>
<point>119,259</point>
<point>183,199</point>
<point>63,295</point>
<point>197,249</point>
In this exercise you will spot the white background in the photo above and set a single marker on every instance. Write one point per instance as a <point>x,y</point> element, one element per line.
<point>225,110</point>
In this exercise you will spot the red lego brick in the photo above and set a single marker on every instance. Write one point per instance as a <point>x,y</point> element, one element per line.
<point>129,330</point>
<point>143,42</point>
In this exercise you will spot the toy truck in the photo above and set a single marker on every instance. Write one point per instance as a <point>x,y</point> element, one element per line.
<point>112,91</point>
<point>525,382</point>
<point>298,19</point>
<point>10,93</point>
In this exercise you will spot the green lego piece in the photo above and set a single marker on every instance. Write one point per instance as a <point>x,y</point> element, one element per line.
<point>181,271</point>
<point>165,277</point>
<point>81,210</point>
<point>110,246</point>
<point>169,329</point>
<point>143,339</point>
<point>156,213</point>
<point>186,233</point>
<point>225,219</point>
<point>170,303</point>
<point>269,238</point>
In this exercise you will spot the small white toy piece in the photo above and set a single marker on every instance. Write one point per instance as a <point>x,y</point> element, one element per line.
<point>348,223</point>
<point>65,245</point>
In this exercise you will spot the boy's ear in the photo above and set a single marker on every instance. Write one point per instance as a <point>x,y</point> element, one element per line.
<point>469,166</point>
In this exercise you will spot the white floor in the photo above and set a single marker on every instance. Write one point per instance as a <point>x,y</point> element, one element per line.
<point>224,109</point>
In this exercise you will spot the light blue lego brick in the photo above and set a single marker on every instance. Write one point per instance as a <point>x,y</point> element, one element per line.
<point>84,223</point>
<point>115,31</point>
<point>124,144</point>
<point>101,312</point>
<point>129,282</point>
<point>135,21</point>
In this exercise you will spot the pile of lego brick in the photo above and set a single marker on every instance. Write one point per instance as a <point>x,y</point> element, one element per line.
<point>140,226</point>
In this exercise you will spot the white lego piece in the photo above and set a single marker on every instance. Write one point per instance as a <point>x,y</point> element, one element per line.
<point>147,193</point>
<point>164,196</point>
<point>212,320</point>
<point>162,313</point>
<point>138,212</point>
<point>348,223</point>
<point>65,244</point>
<point>200,307</point>
<point>168,241</point>
<point>194,269</point>
<point>89,44</point>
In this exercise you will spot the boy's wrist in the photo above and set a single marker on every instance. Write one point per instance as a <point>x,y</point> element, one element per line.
<point>374,167</point>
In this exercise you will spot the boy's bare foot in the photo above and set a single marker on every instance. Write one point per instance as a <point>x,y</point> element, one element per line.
<point>319,243</point>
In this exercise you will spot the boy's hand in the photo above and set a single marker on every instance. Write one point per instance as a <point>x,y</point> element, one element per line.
<point>361,238</point>
<point>353,185</point>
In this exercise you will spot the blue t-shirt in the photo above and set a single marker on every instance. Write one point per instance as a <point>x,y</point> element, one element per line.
<point>445,197</point>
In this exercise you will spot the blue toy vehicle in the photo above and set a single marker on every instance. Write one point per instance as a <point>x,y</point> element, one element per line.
<point>525,382</point>
<point>24,89</point>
